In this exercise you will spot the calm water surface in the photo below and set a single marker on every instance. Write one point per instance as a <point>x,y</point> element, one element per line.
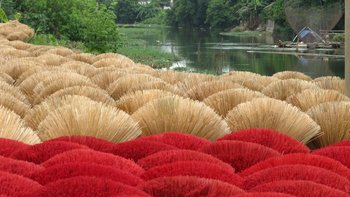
<point>210,52</point>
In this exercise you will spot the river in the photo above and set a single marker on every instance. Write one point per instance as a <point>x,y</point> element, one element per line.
<point>210,52</point>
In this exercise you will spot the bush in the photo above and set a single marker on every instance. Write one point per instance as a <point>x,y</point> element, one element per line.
<point>97,30</point>
<point>158,19</point>
<point>7,9</point>
<point>51,40</point>
<point>186,13</point>
<point>3,16</point>
<point>219,14</point>
<point>127,11</point>
<point>77,20</point>
<point>338,38</point>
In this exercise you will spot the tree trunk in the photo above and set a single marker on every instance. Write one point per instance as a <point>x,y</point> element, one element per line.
<point>347,47</point>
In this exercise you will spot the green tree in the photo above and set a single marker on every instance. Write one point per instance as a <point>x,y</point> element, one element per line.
<point>220,14</point>
<point>126,11</point>
<point>8,6</point>
<point>249,11</point>
<point>201,13</point>
<point>96,29</point>
<point>189,13</point>
<point>184,12</point>
<point>153,12</point>
<point>275,11</point>
<point>77,20</point>
<point>148,10</point>
<point>110,4</point>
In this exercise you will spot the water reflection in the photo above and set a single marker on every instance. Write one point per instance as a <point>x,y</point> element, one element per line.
<point>212,53</point>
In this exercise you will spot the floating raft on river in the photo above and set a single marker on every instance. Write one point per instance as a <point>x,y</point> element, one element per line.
<point>307,38</point>
<point>315,45</point>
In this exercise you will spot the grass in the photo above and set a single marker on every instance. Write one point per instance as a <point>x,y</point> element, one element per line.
<point>139,30</point>
<point>149,56</point>
<point>136,45</point>
<point>48,39</point>
<point>140,45</point>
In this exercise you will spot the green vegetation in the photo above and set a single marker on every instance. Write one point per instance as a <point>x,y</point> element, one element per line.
<point>92,21</point>
<point>77,20</point>
<point>149,56</point>
<point>218,13</point>
<point>188,13</point>
<point>223,14</point>
<point>134,11</point>
<point>51,40</point>
<point>3,16</point>
<point>137,49</point>
<point>141,51</point>
<point>158,19</point>
<point>90,25</point>
<point>338,37</point>
<point>126,11</point>
<point>226,14</point>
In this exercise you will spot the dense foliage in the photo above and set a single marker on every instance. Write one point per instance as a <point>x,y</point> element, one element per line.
<point>249,14</point>
<point>219,13</point>
<point>8,7</point>
<point>126,11</point>
<point>54,16</point>
<point>93,22</point>
<point>86,21</point>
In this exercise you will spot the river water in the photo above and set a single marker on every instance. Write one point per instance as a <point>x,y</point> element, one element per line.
<point>210,52</point>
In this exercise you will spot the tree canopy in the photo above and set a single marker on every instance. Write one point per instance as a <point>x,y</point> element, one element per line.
<point>93,22</point>
<point>87,21</point>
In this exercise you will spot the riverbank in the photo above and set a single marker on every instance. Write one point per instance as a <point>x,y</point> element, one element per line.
<point>209,52</point>
<point>133,45</point>
<point>140,44</point>
<point>50,40</point>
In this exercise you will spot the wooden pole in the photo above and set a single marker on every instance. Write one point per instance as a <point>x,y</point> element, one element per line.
<point>347,47</point>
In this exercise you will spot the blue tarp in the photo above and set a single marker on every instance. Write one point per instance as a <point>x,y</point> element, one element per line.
<point>307,31</point>
<point>304,33</point>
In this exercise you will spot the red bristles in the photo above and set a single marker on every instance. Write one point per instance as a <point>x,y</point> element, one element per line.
<point>188,186</point>
<point>297,172</point>
<point>179,140</point>
<point>91,142</point>
<point>170,156</point>
<point>339,153</point>
<point>18,167</point>
<point>240,155</point>
<point>128,195</point>
<point>270,138</point>
<point>90,156</point>
<point>16,185</point>
<point>57,172</point>
<point>194,168</point>
<point>304,159</point>
<point>263,194</point>
<point>343,143</point>
<point>41,152</point>
<point>138,149</point>
<point>300,189</point>
<point>87,186</point>
<point>7,146</point>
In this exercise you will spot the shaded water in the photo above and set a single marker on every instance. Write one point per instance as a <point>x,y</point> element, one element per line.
<point>211,52</point>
